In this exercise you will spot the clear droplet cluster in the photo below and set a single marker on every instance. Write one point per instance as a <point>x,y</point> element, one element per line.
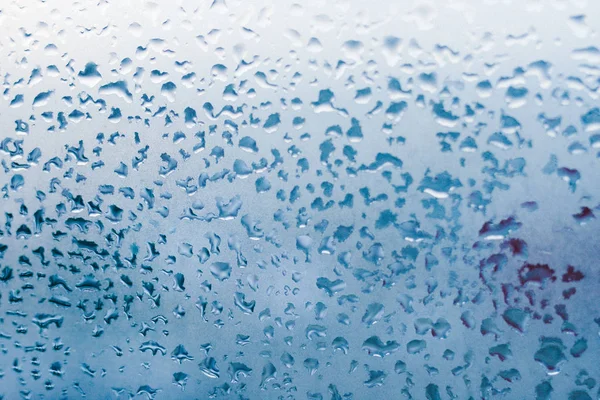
<point>336,200</point>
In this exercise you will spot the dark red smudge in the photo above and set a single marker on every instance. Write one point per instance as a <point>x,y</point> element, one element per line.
<point>537,273</point>
<point>572,275</point>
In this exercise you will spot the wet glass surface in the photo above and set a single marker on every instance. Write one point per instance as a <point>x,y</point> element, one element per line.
<point>313,200</point>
